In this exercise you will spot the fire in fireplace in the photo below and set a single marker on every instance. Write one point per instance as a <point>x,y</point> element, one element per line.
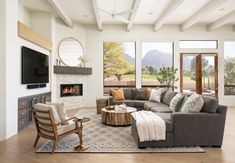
<point>71,90</point>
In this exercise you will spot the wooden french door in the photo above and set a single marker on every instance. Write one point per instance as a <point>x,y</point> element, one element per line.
<point>199,73</point>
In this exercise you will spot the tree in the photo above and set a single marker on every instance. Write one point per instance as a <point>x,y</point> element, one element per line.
<point>114,61</point>
<point>229,74</point>
<point>193,68</point>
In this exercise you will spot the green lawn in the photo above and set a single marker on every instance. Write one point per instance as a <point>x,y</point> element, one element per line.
<point>153,77</point>
<point>144,76</point>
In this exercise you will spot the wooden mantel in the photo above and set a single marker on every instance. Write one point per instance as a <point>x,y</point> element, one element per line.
<point>28,34</point>
<point>72,70</point>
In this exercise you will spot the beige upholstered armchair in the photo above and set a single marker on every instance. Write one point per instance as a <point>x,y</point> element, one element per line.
<point>52,123</point>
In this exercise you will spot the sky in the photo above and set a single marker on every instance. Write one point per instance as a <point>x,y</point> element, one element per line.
<point>166,47</point>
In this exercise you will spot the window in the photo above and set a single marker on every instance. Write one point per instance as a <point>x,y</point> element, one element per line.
<point>229,67</point>
<point>155,55</point>
<point>186,44</point>
<point>119,64</point>
<point>199,73</point>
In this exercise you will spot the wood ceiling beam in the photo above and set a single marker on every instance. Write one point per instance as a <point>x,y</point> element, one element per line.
<point>222,21</point>
<point>135,8</point>
<point>61,13</point>
<point>174,4</point>
<point>97,15</point>
<point>202,13</point>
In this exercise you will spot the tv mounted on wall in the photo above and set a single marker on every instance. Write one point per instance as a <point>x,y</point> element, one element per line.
<point>35,69</point>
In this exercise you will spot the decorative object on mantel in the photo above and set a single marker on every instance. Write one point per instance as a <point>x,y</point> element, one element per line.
<point>58,62</point>
<point>70,50</point>
<point>83,59</point>
<point>72,70</point>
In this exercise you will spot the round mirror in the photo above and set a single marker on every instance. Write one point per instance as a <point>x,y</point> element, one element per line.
<point>70,50</point>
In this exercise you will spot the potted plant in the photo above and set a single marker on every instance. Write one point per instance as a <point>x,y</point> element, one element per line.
<point>167,76</point>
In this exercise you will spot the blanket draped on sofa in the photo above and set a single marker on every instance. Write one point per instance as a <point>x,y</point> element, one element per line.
<point>149,126</point>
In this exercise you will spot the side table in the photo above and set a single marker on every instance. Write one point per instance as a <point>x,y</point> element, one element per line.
<point>101,102</point>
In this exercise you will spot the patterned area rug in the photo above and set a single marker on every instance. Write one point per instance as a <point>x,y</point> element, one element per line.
<point>100,138</point>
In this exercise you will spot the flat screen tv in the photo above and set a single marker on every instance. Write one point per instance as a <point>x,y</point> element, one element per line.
<point>34,67</point>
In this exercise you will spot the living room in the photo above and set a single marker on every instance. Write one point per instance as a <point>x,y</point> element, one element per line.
<point>78,39</point>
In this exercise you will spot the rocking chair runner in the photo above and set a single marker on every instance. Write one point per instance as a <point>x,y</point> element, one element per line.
<point>49,125</point>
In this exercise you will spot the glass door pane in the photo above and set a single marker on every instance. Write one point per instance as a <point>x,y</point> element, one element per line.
<point>208,74</point>
<point>188,77</point>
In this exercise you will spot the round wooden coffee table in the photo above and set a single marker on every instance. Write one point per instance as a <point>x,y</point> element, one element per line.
<point>117,117</point>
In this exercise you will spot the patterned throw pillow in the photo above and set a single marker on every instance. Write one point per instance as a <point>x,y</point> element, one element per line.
<point>180,103</point>
<point>174,101</point>
<point>156,95</point>
<point>194,103</point>
<point>118,94</point>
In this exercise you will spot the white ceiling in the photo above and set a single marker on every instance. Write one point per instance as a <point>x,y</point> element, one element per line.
<point>149,11</point>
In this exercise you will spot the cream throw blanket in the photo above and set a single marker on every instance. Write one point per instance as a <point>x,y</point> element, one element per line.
<point>149,126</point>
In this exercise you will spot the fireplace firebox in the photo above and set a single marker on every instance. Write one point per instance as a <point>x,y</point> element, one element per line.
<point>71,90</point>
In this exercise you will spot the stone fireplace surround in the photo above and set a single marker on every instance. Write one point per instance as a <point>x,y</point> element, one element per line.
<point>71,102</point>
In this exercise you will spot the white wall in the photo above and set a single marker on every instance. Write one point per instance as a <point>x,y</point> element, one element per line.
<point>2,72</point>
<point>24,15</point>
<point>8,113</point>
<point>62,31</point>
<point>139,33</point>
<point>39,22</point>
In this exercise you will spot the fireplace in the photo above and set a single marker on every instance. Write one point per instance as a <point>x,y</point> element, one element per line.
<point>71,90</point>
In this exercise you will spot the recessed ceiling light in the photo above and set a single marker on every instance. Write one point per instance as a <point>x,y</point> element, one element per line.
<point>85,16</point>
<point>150,13</point>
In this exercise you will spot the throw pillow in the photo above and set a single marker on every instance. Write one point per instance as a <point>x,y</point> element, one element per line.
<point>140,94</point>
<point>118,94</point>
<point>168,97</point>
<point>164,90</point>
<point>156,95</point>
<point>174,101</point>
<point>148,93</point>
<point>179,104</point>
<point>194,103</point>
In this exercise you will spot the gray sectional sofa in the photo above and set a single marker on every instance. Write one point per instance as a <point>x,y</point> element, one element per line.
<point>182,129</point>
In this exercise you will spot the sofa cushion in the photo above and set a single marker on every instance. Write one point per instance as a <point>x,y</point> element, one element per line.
<point>157,107</point>
<point>148,93</point>
<point>161,109</point>
<point>210,104</point>
<point>140,94</point>
<point>118,94</point>
<point>127,102</point>
<point>139,103</point>
<point>168,97</point>
<point>168,120</point>
<point>129,93</point>
<point>62,112</point>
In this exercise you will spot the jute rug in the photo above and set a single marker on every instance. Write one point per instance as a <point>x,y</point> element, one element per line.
<point>100,138</point>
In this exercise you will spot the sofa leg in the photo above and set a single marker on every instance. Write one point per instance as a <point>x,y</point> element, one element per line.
<point>216,146</point>
<point>142,147</point>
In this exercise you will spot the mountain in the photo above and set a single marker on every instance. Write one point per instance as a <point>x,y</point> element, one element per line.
<point>129,59</point>
<point>157,59</point>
